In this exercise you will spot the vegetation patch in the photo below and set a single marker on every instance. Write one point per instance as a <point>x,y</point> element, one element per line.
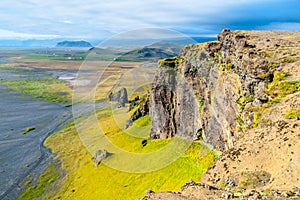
<point>279,87</point>
<point>201,103</point>
<point>292,114</point>
<point>288,60</point>
<point>143,121</point>
<point>27,130</point>
<point>89,182</point>
<point>227,66</point>
<point>48,177</point>
<point>49,89</point>
<point>243,100</point>
<point>257,115</point>
<point>279,90</point>
<point>172,62</point>
<point>254,179</point>
<point>267,54</point>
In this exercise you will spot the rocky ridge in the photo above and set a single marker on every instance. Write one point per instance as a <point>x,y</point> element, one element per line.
<point>241,95</point>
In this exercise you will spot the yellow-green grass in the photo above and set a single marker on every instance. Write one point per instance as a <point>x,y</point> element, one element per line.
<point>85,181</point>
<point>293,114</point>
<point>49,89</point>
<point>279,88</point>
<point>27,130</point>
<point>34,191</point>
<point>136,80</point>
<point>106,86</point>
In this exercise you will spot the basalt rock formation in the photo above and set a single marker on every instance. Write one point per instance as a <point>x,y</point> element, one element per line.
<point>139,107</point>
<point>121,97</point>
<point>210,90</point>
<point>240,94</point>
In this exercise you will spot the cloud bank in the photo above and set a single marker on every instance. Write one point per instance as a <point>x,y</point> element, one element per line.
<point>103,18</point>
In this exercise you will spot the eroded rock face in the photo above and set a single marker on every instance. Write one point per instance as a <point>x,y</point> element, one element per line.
<point>163,104</point>
<point>212,88</point>
<point>121,97</point>
<point>248,89</point>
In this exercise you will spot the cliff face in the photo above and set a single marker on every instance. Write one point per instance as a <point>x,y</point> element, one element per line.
<point>213,90</point>
<point>173,107</point>
<point>242,95</point>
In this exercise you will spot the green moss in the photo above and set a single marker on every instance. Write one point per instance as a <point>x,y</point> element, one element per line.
<point>288,60</point>
<point>279,76</point>
<point>201,104</point>
<point>28,129</point>
<point>265,76</point>
<point>257,118</point>
<point>226,66</point>
<point>172,62</point>
<point>268,54</point>
<point>48,177</point>
<point>267,192</point>
<point>279,88</point>
<point>258,112</point>
<point>274,65</point>
<point>245,99</point>
<point>292,114</point>
<point>26,183</point>
<point>240,121</point>
<point>253,179</point>
<point>143,121</point>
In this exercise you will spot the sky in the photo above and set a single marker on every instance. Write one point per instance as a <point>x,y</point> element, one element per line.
<point>101,19</point>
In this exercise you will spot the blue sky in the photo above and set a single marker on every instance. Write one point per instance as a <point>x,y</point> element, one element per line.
<point>100,19</point>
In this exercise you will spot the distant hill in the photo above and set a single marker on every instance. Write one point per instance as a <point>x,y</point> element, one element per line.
<point>74,44</point>
<point>153,52</point>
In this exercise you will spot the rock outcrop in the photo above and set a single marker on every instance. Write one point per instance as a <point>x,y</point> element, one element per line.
<point>174,109</point>
<point>121,97</point>
<point>210,90</point>
<point>139,108</point>
<point>246,90</point>
<point>99,156</point>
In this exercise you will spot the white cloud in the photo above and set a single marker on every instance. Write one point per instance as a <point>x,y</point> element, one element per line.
<point>94,18</point>
<point>290,26</point>
<point>6,34</point>
<point>67,22</point>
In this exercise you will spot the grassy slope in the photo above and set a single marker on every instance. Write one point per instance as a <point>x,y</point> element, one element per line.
<point>84,181</point>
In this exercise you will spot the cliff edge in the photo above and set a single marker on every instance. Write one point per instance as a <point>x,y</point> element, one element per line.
<point>241,94</point>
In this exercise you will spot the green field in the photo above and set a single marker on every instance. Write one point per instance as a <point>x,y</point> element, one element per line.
<point>85,181</point>
<point>49,89</point>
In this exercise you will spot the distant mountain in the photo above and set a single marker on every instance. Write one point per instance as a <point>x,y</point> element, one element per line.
<point>74,44</point>
<point>152,52</point>
<point>169,47</point>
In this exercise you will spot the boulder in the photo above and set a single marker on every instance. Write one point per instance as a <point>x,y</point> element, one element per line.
<point>99,156</point>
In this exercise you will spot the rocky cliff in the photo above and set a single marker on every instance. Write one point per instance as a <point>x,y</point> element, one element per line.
<point>213,90</point>
<point>240,94</point>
